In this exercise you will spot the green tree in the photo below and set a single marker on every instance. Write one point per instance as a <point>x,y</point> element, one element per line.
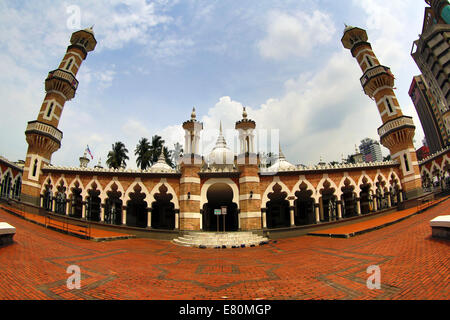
<point>350,159</point>
<point>143,154</point>
<point>117,156</point>
<point>155,148</point>
<point>168,156</point>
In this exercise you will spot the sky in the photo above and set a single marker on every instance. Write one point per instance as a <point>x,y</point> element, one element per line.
<point>155,60</point>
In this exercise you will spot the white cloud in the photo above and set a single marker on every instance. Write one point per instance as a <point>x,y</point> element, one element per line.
<point>296,34</point>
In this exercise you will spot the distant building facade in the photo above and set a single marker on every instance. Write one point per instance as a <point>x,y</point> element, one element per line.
<point>371,150</point>
<point>430,115</point>
<point>422,153</point>
<point>431,52</point>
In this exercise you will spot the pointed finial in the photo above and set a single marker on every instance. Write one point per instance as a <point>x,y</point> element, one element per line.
<point>220,126</point>
<point>193,114</point>
<point>356,149</point>
<point>280,153</point>
<point>244,113</point>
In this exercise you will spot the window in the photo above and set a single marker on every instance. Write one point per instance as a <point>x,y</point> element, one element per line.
<point>35,167</point>
<point>69,64</point>
<point>406,162</point>
<point>50,109</point>
<point>369,61</point>
<point>389,106</point>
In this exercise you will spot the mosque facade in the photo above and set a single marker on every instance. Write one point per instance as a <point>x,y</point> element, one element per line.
<point>253,196</point>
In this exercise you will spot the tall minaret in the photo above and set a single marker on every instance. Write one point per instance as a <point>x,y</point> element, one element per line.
<point>247,162</point>
<point>190,216</point>
<point>397,131</point>
<point>42,135</point>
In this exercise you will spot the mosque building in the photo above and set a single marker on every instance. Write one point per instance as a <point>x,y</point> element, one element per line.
<point>255,197</point>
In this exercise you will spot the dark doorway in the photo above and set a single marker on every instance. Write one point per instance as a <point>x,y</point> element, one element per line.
<point>304,206</point>
<point>328,202</point>
<point>93,204</point>
<point>277,209</point>
<point>77,202</point>
<point>348,200</point>
<point>220,195</point>
<point>163,211</point>
<point>137,209</point>
<point>61,199</point>
<point>365,196</point>
<point>47,201</point>
<point>113,206</point>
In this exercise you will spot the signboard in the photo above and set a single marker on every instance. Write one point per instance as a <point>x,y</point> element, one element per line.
<point>217,212</point>
<point>224,210</point>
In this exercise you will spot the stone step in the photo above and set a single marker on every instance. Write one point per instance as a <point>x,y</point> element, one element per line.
<point>219,240</point>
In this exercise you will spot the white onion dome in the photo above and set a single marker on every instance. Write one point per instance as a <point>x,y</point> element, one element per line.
<point>281,164</point>
<point>221,154</point>
<point>161,164</point>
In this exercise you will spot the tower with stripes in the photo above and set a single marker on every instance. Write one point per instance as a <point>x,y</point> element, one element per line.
<point>42,135</point>
<point>398,130</point>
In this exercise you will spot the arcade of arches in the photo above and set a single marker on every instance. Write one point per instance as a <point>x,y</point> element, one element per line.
<point>282,201</point>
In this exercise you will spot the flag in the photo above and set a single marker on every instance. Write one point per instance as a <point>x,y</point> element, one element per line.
<point>89,151</point>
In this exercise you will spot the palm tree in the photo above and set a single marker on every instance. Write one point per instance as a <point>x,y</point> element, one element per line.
<point>143,154</point>
<point>155,148</point>
<point>117,156</point>
<point>168,157</point>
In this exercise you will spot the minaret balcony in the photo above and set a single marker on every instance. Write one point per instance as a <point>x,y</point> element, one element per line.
<point>395,125</point>
<point>36,127</point>
<point>63,81</point>
<point>375,78</point>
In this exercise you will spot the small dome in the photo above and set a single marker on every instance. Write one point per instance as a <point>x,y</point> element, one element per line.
<point>90,30</point>
<point>281,164</point>
<point>161,164</point>
<point>348,28</point>
<point>221,154</point>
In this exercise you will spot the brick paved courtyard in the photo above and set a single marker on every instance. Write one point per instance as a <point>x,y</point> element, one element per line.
<point>413,266</point>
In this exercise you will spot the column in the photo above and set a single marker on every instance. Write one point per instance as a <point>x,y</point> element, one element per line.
<point>291,213</point>
<point>264,218</point>
<point>124,215</point>
<point>67,202</point>
<point>83,212</point>
<point>177,219</point>
<point>389,200</point>
<point>339,209</point>
<point>375,203</point>
<point>358,206</point>
<point>316,209</point>
<point>149,218</point>
<point>102,213</point>
<point>401,195</point>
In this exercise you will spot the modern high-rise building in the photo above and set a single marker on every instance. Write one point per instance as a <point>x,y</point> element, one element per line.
<point>371,150</point>
<point>429,114</point>
<point>431,52</point>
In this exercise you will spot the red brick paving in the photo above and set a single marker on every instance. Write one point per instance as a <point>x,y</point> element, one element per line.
<point>413,266</point>
<point>95,234</point>
<point>358,227</point>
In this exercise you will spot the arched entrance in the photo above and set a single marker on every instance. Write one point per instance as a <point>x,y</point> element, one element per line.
<point>47,201</point>
<point>76,201</point>
<point>61,199</point>
<point>365,197</point>
<point>278,215</point>
<point>93,204</point>
<point>6,185</point>
<point>137,209</point>
<point>220,195</point>
<point>163,210</point>
<point>113,206</point>
<point>348,200</point>
<point>304,206</point>
<point>328,202</point>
